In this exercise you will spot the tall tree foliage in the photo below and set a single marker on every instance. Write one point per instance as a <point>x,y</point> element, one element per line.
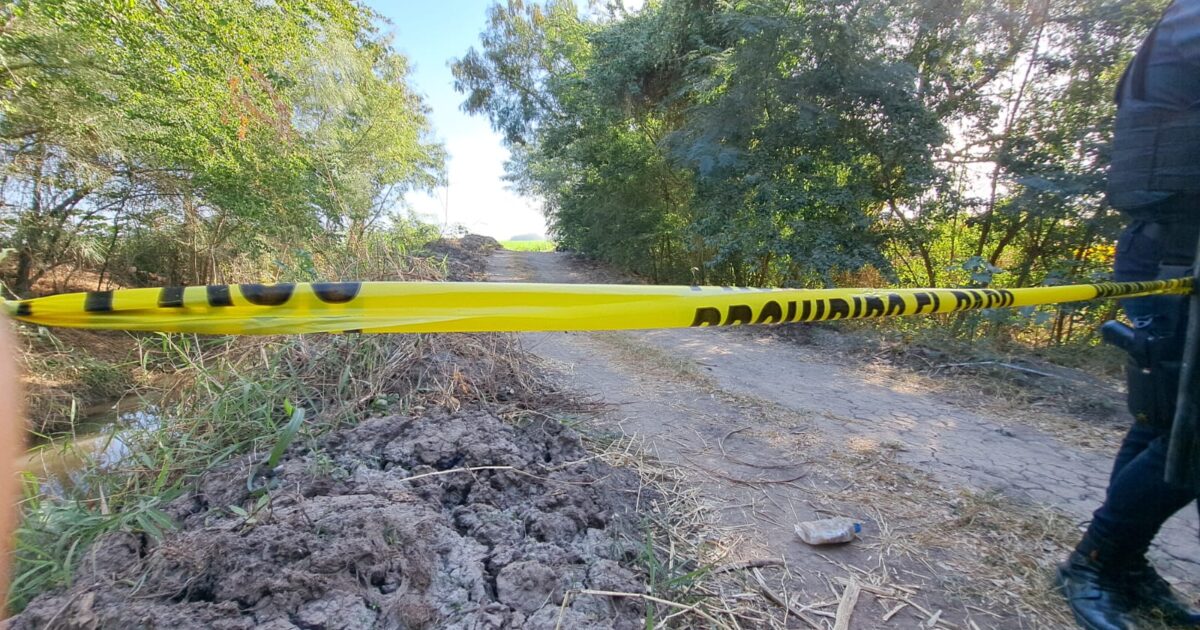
<point>216,127</point>
<point>777,142</point>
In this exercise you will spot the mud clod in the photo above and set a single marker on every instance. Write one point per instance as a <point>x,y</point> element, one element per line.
<point>528,585</point>
<point>340,611</point>
<point>347,540</point>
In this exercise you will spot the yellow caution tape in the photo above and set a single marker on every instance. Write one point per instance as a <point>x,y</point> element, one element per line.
<point>409,307</point>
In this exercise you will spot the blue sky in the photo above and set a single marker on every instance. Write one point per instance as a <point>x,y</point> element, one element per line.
<point>430,34</point>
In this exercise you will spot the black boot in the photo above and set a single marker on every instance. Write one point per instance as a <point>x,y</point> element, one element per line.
<point>1147,589</point>
<point>1095,593</point>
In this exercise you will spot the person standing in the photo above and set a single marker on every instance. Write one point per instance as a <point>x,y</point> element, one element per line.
<point>1154,180</point>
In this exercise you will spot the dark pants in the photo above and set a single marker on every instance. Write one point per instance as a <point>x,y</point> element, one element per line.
<point>1139,501</point>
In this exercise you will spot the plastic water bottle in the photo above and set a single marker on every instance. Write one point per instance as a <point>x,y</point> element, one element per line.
<point>828,531</point>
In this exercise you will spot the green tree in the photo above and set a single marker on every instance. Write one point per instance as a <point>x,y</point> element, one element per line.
<point>207,118</point>
<point>776,142</point>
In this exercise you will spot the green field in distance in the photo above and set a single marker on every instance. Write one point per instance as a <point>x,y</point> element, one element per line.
<point>528,246</point>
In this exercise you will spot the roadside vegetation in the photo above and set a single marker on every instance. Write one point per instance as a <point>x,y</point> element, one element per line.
<point>195,404</point>
<point>281,132</point>
<point>156,143</point>
<point>876,143</point>
<point>281,137</point>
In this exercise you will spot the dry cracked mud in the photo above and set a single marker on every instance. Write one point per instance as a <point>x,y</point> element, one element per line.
<point>455,521</point>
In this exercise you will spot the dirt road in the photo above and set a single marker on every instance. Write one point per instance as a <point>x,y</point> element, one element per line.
<point>969,504</point>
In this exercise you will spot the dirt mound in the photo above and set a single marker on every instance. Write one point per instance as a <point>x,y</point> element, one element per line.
<point>452,521</point>
<point>480,243</point>
<point>466,257</point>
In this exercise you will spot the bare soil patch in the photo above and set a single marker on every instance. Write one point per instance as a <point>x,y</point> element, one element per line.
<point>465,257</point>
<point>459,520</point>
<point>968,497</point>
<point>1084,408</point>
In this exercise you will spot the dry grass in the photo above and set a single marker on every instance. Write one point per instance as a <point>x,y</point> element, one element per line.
<point>695,577</point>
<point>1080,409</point>
<point>980,552</point>
<point>628,349</point>
<point>67,376</point>
<point>980,547</point>
<point>998,396</point>
<point>702,578</point>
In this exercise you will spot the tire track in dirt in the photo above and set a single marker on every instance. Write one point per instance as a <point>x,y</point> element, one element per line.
<point>774,434</point>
